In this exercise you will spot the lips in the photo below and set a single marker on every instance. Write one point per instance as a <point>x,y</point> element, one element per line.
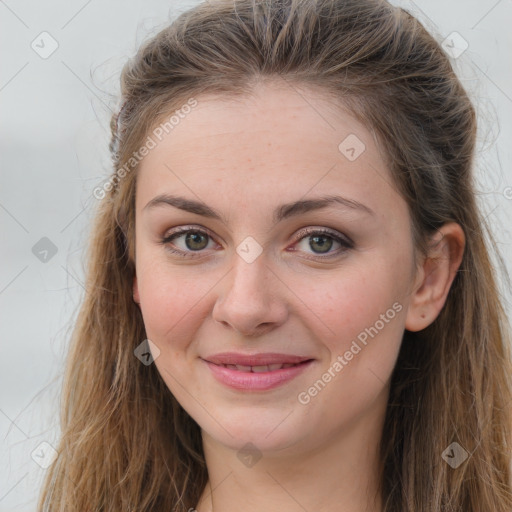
<point>257,372</point>
<point>258,368</point>
<point>256,362</point>
<point>254,380</point>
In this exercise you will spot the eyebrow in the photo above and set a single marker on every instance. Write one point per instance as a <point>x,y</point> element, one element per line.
<point>282,212</point>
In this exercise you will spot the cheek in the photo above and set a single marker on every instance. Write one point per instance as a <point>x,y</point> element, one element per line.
<point>343,304</point>
<point>365,319</point>
<point>361,314</point>
<point>173,301</point>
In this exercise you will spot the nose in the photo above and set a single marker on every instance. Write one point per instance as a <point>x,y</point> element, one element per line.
<point>251,299</point>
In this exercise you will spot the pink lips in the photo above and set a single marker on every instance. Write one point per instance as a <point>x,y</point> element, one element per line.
<point>256,372</point>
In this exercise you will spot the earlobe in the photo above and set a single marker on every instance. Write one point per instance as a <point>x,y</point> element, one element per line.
<point>435,277</point>
<point>136,297</point>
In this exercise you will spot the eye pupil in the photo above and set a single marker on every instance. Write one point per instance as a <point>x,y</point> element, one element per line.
<point>324,247</point>
<point>195,236</point>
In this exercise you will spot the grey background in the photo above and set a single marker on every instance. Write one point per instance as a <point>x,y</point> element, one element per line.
<point>54,139</point>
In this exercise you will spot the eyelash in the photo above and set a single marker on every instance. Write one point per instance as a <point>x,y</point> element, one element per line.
<point>345,242</point>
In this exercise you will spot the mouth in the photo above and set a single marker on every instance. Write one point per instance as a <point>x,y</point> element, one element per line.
<point>260,368</point>
<point>267,359</point>
<point>257,372</point>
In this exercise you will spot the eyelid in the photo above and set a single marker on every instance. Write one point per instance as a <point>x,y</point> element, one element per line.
<point>345,242</point>
<point>324,231</point>
<point>186,229</point>
<point>166,239</point>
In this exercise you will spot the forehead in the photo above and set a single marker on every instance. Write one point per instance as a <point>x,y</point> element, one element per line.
<point>273,114</point>
<point>281,140</point>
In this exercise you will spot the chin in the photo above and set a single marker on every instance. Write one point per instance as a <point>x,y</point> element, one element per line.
<point>267,433</point>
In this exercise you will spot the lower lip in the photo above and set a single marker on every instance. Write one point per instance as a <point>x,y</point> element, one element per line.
<point>251,381</point>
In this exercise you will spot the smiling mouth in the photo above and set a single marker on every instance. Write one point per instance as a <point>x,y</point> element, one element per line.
<point>261,368</point>
<point>261,377</point>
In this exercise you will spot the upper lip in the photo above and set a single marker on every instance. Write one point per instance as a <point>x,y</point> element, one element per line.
<point>255,359</point>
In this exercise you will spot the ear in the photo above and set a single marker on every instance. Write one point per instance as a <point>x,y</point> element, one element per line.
<point>435,276</point>
<point>136,297</point>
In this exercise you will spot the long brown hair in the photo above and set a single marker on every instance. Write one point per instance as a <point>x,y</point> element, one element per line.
<point>126,443</point>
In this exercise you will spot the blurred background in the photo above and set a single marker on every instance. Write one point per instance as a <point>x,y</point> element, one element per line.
<point>60,65</point>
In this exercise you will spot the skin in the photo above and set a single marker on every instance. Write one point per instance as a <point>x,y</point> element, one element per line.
<point>244,158</point>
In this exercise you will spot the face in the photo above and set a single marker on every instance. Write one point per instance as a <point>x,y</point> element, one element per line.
<point>236,255</point>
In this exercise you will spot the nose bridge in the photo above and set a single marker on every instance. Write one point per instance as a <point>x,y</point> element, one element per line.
<point>248,283</point>
<point>250,297</point>
<point>249,267</point>
<point>248,275</point>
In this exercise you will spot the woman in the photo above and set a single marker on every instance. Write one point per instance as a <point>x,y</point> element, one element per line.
<point>290,301</point>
